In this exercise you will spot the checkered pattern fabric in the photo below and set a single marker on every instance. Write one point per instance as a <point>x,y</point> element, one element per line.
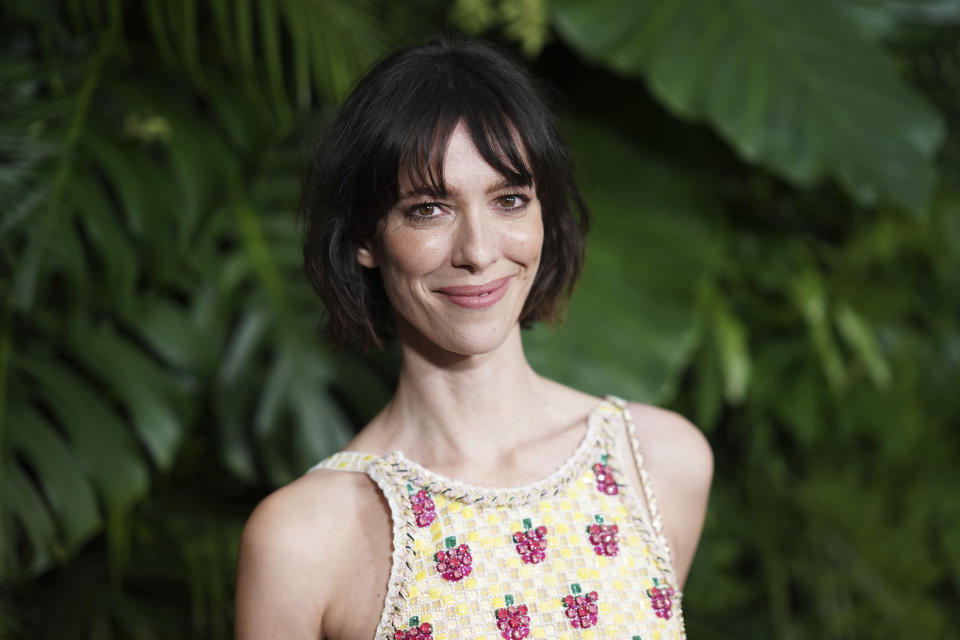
<point>631,585</point>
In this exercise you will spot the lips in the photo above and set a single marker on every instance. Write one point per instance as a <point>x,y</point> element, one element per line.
<point>476,296</point>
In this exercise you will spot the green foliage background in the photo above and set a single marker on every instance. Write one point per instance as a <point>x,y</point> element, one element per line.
<point>776,254</point>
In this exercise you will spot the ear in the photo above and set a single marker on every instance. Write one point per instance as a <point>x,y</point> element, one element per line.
<point>366,258</point>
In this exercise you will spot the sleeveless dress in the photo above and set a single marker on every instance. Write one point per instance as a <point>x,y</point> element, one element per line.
<point>576,555</point>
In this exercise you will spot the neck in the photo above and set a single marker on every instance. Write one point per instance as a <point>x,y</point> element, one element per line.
<point>449,406</point>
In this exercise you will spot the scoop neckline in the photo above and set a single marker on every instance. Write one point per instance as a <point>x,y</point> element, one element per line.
<point>421,477</point>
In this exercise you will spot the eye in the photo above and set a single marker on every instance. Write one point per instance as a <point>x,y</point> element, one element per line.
<point>512,201</point>
<point>424,210</point>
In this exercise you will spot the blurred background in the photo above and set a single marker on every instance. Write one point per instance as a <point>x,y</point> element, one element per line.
<point>775,254</point>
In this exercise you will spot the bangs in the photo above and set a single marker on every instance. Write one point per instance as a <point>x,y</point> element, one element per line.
<point>494,132</point>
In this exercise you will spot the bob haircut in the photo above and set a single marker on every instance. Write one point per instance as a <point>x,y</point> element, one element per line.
<point>396,123</point>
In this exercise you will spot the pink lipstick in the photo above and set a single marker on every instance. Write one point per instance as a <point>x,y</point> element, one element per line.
<point>476,296</point>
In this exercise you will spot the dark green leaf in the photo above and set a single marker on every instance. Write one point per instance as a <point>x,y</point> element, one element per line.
<point>791,86</point>
<point>112,248</point>
<point>24,505</point>
<point>731,341</point>
<point>144,389</point>
<point>102,442</point>
<point>65,485</point>
<point>859,336</point>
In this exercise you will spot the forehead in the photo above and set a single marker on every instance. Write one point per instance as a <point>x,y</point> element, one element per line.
<point>497,149</point>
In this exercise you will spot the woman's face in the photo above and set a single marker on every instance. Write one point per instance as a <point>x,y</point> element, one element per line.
<point>457,269</point>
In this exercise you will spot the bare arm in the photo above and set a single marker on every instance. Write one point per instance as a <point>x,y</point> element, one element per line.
<point>314,561</point>
<point>278,594</point>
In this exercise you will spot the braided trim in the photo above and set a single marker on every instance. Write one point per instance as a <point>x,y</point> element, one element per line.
<point>403,524</point>
<point>401,573</point>
<point>422,478</point>
<point>651,500</point>
<point>663,561</point>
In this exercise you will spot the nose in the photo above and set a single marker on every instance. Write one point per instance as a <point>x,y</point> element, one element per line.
<point>475,241</point>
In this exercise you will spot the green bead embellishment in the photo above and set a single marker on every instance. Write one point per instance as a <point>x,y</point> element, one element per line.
<point>414,621</point>
<point>574,588</point>
<point>450,542</point>
<point>598,519</point>
<point>527,523</point>
<point>508,599</point>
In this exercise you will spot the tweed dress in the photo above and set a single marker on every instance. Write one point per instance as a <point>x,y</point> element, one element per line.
<point>578,554</point>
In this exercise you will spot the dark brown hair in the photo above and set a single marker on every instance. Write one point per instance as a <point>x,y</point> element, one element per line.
<point>401,114</point>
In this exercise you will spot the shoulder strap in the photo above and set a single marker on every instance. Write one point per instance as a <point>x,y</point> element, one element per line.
<point>649,497</point>
<point>347,461</point>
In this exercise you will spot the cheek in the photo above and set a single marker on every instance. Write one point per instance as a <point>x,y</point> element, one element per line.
<point>525,242</point>
<point>412,255</point>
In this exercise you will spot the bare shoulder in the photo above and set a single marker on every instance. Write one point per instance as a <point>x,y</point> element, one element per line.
<point>680,463</point>
<point>293,548</point>
<point>672,442</point>
<point>285,523</point>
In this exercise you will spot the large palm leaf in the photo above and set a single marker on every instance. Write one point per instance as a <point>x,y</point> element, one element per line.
<point>792,86</point>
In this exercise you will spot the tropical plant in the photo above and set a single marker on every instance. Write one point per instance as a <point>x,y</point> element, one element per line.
<point>152,289</point>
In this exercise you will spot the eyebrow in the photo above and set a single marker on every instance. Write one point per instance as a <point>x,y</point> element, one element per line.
<point>427,190</point>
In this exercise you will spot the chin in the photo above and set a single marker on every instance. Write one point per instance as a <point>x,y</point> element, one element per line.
<point>466,341</point>
<point>476,345</point>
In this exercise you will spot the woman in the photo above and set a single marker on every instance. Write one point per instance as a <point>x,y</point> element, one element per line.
<point>484,500</point>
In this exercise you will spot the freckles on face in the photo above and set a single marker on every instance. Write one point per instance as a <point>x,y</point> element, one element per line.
<point>457,267</point>
<point>408,259</point>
